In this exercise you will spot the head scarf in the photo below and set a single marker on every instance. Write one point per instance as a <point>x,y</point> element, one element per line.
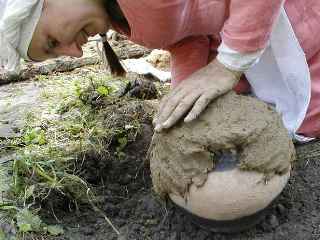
<point>18,20</point>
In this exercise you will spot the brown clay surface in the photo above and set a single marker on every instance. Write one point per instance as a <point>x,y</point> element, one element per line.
<point>241,125</point>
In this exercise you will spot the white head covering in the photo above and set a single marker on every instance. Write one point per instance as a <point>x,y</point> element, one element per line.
<point>18,20</point>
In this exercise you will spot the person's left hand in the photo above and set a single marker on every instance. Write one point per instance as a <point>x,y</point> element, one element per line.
<point>194,94</point>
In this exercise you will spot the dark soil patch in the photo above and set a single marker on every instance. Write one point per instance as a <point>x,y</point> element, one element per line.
<point>126,198</point>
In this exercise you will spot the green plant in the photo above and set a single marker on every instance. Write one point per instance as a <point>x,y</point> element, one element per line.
<point>59,138</point>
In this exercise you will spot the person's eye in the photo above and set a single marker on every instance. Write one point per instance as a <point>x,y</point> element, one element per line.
<point>52,44</point>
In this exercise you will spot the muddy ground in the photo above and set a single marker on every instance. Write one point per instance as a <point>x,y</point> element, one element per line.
<point>124,195</point>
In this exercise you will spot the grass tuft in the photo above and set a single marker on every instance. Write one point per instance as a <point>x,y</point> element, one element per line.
<point>82,118</point>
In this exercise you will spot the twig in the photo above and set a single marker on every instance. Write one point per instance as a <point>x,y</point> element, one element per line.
<point>96,209</point>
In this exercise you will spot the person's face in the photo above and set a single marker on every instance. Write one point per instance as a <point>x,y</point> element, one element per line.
<point>64,27</point>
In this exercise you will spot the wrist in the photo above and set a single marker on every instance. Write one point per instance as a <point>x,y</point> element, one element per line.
<point>235,74</point>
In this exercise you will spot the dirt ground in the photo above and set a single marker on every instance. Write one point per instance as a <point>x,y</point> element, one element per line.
<point>127,199</point>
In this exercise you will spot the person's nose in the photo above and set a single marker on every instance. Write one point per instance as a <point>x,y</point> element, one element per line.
<point>71,50</point>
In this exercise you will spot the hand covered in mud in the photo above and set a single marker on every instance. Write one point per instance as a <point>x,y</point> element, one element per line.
<point>193,95</point>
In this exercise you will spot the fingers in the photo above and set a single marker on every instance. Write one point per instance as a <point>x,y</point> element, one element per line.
<point>200,105</point>
<point>158,118</point>
<point>183,107</point>
<point>173,109</point>
<point>194,93</point>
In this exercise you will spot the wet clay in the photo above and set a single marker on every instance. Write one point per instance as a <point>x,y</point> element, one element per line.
<point>241,125</point>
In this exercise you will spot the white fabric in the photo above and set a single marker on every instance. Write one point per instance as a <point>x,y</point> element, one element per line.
<point>141,66</point>
<point>235,60</point>
<point>18,20</point>
<point>282,76</point>
<point>2,7</point>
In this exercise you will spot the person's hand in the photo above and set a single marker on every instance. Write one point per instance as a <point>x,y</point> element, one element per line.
<point>193,95</point>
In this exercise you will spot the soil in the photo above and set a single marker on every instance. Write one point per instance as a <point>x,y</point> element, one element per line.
<point>127,199</point>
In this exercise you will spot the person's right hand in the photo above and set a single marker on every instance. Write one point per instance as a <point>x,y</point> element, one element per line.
<point>193,95</point>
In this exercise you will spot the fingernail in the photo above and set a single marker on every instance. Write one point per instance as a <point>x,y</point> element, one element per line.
<point>157,128</point>
<point>188,119</point>
<point>165,125</point>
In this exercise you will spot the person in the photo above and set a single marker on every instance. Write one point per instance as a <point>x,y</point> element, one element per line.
<point>213,46</point>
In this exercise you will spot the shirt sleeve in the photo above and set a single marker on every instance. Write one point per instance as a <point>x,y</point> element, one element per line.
<point>250,23</point>
<point>235,60</point>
